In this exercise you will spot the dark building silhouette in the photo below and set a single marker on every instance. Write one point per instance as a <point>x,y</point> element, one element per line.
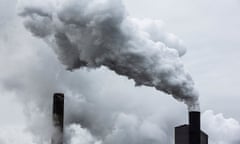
<point>191,134</point>
<point>58,118</point>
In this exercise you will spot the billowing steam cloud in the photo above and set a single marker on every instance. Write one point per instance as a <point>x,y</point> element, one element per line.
<point>95,33</point>
<point>221,130</point>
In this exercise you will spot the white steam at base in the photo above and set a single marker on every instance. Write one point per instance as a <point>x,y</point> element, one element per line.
<point>221,130</point>
<point>95,33</point>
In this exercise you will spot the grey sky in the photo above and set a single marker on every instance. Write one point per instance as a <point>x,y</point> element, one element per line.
<point>210,30</point>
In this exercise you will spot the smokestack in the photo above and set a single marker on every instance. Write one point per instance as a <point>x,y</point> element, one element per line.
<point>58,118</point>
<point>191,134</point>
<point>194,128</point>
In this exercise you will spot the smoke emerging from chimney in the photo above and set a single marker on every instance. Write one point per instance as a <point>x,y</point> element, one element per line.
<point>95,33</point>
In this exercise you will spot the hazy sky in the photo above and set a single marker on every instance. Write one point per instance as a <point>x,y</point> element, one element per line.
<point>209,29</point>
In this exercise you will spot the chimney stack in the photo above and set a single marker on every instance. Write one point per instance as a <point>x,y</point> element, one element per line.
<point>58,118</point>
<point>191,133</point>
<point>194,128</point>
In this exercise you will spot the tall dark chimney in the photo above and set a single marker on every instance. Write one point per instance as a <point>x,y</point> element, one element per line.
<point>194,128</point>
<point>58,118</point>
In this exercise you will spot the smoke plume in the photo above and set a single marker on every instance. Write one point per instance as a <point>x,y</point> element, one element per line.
<point>95,33</point>
<point>96,110</point>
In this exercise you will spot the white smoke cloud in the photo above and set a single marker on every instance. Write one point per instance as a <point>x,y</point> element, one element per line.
<point>221,130</point>
<point>131,129</point>
<point>112,121</point>
<point>94,33</point>
<point>75,134</point>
